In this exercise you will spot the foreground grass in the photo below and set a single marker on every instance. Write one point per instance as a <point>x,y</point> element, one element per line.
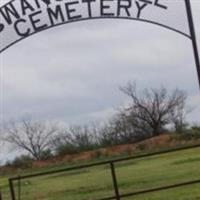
<point>96,182</point>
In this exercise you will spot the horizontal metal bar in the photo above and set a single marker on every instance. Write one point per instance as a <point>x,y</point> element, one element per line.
<point>161,188</point>
<point>155,189</point>
<point>98,18</point>
<point>106,162</point>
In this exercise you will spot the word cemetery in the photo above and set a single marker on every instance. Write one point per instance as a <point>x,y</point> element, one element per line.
<point>26,15</point>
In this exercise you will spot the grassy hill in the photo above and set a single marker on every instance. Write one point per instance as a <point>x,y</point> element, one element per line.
<point>96,182</point>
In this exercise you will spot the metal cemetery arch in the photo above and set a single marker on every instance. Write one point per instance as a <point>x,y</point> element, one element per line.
<point>8,12</point>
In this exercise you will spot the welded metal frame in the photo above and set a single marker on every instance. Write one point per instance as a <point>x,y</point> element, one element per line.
<point>117,196</point>
<point>111,163</point>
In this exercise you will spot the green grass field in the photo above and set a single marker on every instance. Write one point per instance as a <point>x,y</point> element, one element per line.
<point>96,182</point>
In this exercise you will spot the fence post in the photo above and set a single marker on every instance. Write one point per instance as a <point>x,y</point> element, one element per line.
<point>114,178</point>
<point>19,188</point>
<point>12,189</point>
<point>0,195</point>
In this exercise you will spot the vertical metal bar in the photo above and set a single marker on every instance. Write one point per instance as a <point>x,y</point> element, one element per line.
<point>19,188</point>
<point>193,37</point>
<point>0,194</point>
<point>114,178</point>
<point>12,189</point>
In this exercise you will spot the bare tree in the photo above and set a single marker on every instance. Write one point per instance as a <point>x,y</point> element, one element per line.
<point>76,138</point>
<point>32,136</point>
<point>122,129</point>
<point>179,116</point>
<point>153,109</point>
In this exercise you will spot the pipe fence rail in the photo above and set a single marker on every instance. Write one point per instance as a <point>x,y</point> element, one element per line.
<point>111,163</point>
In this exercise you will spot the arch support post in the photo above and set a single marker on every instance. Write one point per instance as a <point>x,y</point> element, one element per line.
<point>193,37</point>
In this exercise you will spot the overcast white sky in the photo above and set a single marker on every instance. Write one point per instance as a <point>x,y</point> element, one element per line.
<point>72,73</point>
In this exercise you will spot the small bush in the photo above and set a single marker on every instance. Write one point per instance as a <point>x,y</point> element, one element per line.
<point>127,152</point>
<point>141,147</point>
<point>188,134</point>
<point>46,155</point>
<point>98,154</point>
<point>66,149</point>
<point>22,162</point>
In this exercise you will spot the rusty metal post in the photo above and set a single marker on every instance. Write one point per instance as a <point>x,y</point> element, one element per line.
<point>0,195</point>
<point>12,189</point>
<point>114,178</point>
<point>19,188</point>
